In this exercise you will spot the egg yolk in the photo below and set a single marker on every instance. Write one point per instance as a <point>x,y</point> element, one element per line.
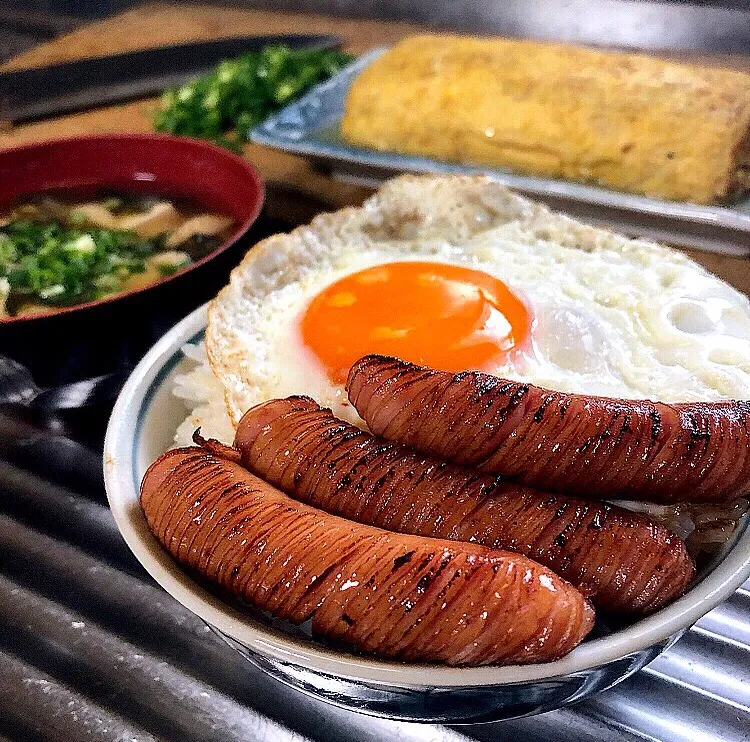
<point>444,316</point>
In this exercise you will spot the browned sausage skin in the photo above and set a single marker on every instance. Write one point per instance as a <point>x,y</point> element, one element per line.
<point>591,447</point>
<point>396,596</point>
<point>623,561</point>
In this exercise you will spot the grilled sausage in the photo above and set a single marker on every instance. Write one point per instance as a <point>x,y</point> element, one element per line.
<point>591,447</point>
<point>396,596</point>
<point>623,561</point>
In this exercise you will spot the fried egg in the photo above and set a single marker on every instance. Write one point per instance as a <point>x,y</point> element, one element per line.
<point>460,274</point>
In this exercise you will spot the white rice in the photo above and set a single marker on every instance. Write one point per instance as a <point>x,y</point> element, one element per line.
<point>204,397</point>
<point>705,527</point>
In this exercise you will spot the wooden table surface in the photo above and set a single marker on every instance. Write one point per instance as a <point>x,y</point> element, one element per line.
<point>159,24</point>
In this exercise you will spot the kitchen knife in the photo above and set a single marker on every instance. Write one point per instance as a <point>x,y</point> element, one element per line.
<point>41,92</point>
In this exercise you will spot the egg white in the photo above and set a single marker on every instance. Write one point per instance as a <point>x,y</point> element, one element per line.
<point>627,319</point>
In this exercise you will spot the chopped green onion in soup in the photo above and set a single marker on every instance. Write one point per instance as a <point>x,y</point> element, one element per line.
<point>62,251</point>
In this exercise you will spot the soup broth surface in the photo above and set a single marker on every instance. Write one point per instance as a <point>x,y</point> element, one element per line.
<point>63,248</point>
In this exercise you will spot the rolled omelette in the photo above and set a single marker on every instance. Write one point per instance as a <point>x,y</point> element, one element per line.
<point>627,121</point>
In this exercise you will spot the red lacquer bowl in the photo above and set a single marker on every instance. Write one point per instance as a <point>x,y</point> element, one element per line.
<point>98,337</point>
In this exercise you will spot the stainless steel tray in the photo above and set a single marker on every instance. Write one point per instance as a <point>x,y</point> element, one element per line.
<point>310,127</point>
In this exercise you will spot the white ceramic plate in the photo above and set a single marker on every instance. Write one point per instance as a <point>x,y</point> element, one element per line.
<point>141,428</point>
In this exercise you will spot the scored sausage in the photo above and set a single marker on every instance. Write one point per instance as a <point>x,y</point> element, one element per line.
<point>623,561</point>
<point>572,443</point>
<point>396,596</point>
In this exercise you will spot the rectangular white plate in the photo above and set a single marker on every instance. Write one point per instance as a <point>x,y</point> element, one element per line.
<point>310,127</point>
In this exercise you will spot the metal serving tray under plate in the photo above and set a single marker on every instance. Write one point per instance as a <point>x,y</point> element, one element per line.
<point>310,127</point>
<point>91,649</point>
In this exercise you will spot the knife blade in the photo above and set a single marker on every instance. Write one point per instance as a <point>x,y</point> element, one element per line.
<point>41,92</point>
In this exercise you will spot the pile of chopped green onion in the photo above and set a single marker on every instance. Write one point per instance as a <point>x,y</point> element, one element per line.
<point>224,105</point>
<point>55,265</point>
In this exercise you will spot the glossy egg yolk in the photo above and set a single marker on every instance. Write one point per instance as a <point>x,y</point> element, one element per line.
<point>444,316</point>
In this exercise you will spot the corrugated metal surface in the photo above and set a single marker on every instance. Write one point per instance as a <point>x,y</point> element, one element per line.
<point>92,649</point>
